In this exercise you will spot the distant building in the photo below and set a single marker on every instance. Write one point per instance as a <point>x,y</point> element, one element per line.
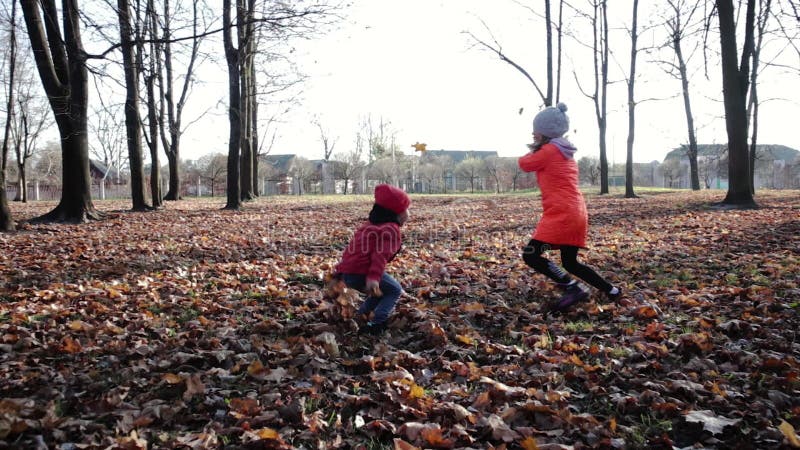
<point>772,168</point>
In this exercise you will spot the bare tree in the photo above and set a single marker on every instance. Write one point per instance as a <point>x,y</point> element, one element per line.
<point>234,105</point>
<point>379,135</point>
<point>154,108</point>
<point>301,171</point>
<point>6,220</point>
<point>33,118</point>
<point>132,121</point>
<point>735,76</point>
<point>348,166</point>
<point>61,61</point>
<point>47,164</point>
<point>671,171</point>
<point>680,24</point>
<point>589,169</point>
<point>600,53</point>
<point>470,168</point>
<point>247,42</point>
<point>212,168</point>
<point>328,144</point>
<point>382,170</point>
<point>172,128</point>
<point>109,145</point>
<point>429,173</point>
<point>493,168</point>
<point>764,12</point>
<point>634,34</point>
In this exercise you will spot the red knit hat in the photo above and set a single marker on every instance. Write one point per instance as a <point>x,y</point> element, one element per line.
<point>391,198</point>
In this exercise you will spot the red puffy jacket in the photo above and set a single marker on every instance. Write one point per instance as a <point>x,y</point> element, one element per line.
<point>564,220</point>
<point>371,247</point>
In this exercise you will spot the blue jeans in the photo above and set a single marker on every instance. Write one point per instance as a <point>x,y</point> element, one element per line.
<point>382,306</point>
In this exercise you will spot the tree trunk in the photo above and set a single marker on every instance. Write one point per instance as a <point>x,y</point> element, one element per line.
<point>170,135</point>
<point>12,68</point>
<point>6,220</point>
<point>548,100</point>
<point>22,183</point>
<point>155,165</point>
<point>751,176</point>
<point>151,28</point>
<point>62,69</point>
<point>600,56</point>
<point>753,103</point>
<point>254,117</point>
<point>245,33</point>
<point>734,87</point>
<point>132,124</point>
<point>687,107</point>
<point>629,193</point>
<point>234,116</point>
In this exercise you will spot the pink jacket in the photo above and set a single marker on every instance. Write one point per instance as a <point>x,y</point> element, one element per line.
<point>564,220</point>
<point>370,249</point>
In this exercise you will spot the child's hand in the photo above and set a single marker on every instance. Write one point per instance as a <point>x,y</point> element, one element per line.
<point>373,289</point>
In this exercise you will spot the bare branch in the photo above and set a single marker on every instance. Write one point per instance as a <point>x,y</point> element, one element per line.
<point>498,50</point>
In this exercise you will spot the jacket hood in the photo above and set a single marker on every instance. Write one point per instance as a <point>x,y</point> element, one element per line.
<point>565,147</point>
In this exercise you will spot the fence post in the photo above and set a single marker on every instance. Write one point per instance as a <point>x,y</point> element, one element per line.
<point>36,190</point>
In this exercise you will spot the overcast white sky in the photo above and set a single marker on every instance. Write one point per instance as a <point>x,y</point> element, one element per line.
<point>410,63</point>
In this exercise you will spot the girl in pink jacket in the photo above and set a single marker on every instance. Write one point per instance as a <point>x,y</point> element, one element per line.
<point>564,221</point>
<point>373,245</point>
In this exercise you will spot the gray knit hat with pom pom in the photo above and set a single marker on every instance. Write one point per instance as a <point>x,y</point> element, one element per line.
<point>552,121</point>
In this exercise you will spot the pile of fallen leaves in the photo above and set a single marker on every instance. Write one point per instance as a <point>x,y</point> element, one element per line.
<point>193,327</point>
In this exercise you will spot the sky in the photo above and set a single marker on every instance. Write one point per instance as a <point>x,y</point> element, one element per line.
<point>411,63</point>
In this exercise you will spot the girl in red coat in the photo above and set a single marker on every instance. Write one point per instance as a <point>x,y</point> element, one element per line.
<point>564,220</point>
<point>373,245</point>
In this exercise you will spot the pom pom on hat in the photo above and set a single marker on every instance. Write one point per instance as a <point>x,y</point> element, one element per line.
<point>391,198</point>
<point>552,121</point>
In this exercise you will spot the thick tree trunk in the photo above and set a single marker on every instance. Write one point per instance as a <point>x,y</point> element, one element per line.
<point>62,68</point>
<point>76,200</point>
<point>132,123</point>
<point>234,110</point>
<point>734,87</point>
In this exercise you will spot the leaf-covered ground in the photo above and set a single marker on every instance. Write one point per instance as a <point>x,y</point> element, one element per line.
<point>193,327</point>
